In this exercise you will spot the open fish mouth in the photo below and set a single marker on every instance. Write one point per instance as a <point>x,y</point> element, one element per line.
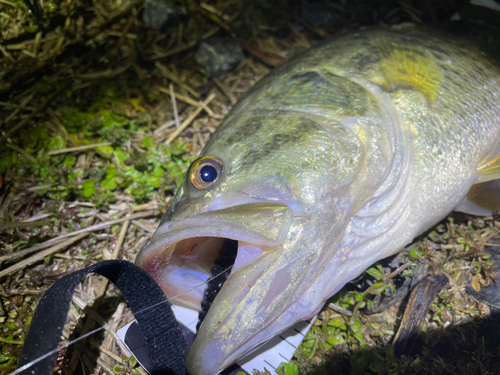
<point>192,271</point>
<point>192,258</point>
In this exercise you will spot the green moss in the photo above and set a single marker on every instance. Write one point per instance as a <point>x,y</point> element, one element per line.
<point>288,369</point>
<point>88,188</point>
<point>69,161</point>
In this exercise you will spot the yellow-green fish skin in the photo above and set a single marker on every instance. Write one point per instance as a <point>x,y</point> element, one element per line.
<point>370,139</point>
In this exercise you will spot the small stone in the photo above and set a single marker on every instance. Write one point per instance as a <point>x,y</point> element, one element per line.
<point>13,314</point>
<point>476,282</point>
<point>219,55</point>
<point>160,13</point>
<point>17,300</point>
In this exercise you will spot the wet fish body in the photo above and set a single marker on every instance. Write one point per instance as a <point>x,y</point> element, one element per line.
<point>333,161</point>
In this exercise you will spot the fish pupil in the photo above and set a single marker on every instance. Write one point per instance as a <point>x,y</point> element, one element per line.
<point>208,173</point>
<point>226,258</point>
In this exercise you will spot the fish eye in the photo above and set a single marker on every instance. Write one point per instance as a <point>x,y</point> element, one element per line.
<point>205,172</point>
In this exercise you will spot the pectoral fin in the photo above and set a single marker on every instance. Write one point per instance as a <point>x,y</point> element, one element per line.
<point>483,199</point>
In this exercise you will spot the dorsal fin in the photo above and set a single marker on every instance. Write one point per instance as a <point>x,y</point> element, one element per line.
<point>407,66</point>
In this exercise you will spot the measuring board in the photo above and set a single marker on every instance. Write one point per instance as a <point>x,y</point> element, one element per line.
<point>279,349</point>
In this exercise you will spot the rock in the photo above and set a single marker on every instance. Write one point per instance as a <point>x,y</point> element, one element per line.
<point>219,55</point>
<point>160,13</point>
<point>490,294</point>
<point>317,14</point>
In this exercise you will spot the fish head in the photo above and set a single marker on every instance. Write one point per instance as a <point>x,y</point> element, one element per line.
<point>258,183</point>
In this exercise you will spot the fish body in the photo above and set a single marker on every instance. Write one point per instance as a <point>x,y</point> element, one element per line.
<point>333,161</point>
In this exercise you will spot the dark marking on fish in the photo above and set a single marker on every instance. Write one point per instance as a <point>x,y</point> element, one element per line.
<point>249,127</point>
<point>278,141</point>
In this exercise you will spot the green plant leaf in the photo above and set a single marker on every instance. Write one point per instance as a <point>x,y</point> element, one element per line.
<point>88,188</point>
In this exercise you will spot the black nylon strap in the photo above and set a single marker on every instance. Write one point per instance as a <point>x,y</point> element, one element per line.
<point>166,345</point>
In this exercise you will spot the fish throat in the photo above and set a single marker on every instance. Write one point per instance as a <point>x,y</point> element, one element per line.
<point>218,276</point>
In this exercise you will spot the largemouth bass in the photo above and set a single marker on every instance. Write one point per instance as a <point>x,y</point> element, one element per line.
<point>333,161</point>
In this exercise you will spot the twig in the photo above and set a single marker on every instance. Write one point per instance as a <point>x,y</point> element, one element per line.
<point>24,102</point>
<point>165,126</point>
<point>41,108</point>
<point>42,254</point>
<point>92,228</point>
<point>110,223</point>
<point>210,112</point>
<point>214,17</point>
<point>192,102</point>
<point>127,28</point>
<point>197,136</point>
<point>113,327</point>
<point>105,25</point>
<point>13,342</point>
<point>174,105</point>
<point>184,98</point>
<point>121,237</point>
<point>226,91</point>
<point>267,57</point>
<point>40,187</point>
<point>37,43</point>
<point>146,206</point>
<point>188,121</point>
<point>7,54</point>
<point>339,309</point>
<point>60,126</point>
<point>108,73</point>
<point>8,3</point>
<point>110,353</point>
<point>21,151</point>
<point>193,43</point>
<point>78,148</point>
<point>168,74</point>
<point>145,228</point>
<point>302,40</point>
<point>180,48</point>
<point>21,253</point>
<point>84,349</point>
<point>12,105</point>
<point>21,224</point>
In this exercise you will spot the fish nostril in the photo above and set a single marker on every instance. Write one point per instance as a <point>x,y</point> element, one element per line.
<point>218,276</point>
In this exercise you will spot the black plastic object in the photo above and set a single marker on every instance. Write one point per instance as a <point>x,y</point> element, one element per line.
<point>136,344</point>
<point>218,276</point>
<point>164,340</point>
